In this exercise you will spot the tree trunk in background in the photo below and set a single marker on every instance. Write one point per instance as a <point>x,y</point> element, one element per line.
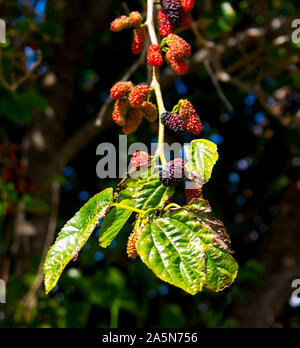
<point>46,136</point>
<point>280,254</point>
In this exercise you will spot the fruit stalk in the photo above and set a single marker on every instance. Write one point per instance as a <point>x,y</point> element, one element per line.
<point>155,85</point>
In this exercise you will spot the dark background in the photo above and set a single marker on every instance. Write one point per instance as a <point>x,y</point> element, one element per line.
<point>48,161</point>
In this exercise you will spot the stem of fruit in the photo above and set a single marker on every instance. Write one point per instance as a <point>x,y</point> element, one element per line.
<point>172,205</point>
<point>155,85</point>
<point>123,206</point>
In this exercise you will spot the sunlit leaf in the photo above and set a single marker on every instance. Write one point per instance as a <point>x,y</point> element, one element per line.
<point>148,192</point>
<point>201,156</point>
<point>114,222</point>
<point>187,251</point>
<point>74,236</point>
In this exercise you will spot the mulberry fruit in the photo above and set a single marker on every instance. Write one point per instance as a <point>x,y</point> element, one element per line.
<point>138,95</point>
<point>179,47</point>
<point>187,5</point>
<point>121,90</point>
<point>173,173</point>
<point>150,111</point>
<point>174,11</point>
<point>135,118</point>
<point>140,159</point>
<point>179,65</point>
<point>164,25</point>
<point>186,109</point>
<point>135,19</point>
<point>193,192</point>
<point>139,38</point>
<point>132,245</point>
<point>120,24</point>
<point>174,122</point>
<point>120,111</point>
<point>194,125</point>
<point>186,19</point>
<point>154,56</point>
<point>188,112</point>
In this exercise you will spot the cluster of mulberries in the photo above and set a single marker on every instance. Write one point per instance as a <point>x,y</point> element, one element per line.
<point>193,192</point>
<point>174,13</point>
<point>185,120</point>
<point>132,245</point>
<point>189,114</point>
<point>173,173</point>
<point>177,50</point>
<point>134,20</point>
<point>132,106</point>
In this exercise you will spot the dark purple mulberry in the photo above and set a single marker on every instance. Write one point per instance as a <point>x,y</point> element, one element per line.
<point>173,173</point>
<point>174,122</point>
<point>174,11</point>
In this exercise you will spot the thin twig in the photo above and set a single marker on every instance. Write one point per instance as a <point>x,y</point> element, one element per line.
<point>155,85</point>
<point>30,298</point>
<point>218,88</point>
<point>13,87</point>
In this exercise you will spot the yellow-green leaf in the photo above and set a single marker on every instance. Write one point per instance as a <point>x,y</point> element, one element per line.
<point>201,156</point>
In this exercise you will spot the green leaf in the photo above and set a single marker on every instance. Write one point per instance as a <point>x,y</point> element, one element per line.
<point>147,192</point>
<point>114,222</point>
<point>201,155</point>
<point>187,251</point>
<point>220,268</point>
<point>144,193</point>
<point>74,236</point>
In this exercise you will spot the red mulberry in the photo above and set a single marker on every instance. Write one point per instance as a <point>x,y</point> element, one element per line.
<point>194,125</point>
<point>173,173</point>
<point>120,24</point>
<point>121,90</point>
<point>120,111</point>
<point>187,5</point>
<point>140,159</point>
<point>194,192</point>
<point>174,122</point>
<point>188,112</point>
<point>150,111</point>
<point>138,95</point>
<point>164,25</point>
<point>173,9</point>
<point>154,56</point>
<point>186,19</point>
<point>179,65</point>
<point>139,38</point>
<point>179,47</point>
